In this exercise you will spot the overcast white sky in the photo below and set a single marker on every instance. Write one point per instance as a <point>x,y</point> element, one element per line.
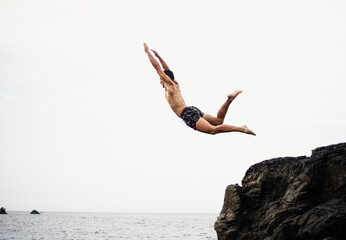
<point>84,125</point>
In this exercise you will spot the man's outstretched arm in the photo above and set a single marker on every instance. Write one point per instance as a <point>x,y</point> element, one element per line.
<point>157,66</point>
<point>163,63</point>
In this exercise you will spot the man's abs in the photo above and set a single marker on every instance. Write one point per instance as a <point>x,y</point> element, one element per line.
<point>177,108</point>
<point>176,102</point>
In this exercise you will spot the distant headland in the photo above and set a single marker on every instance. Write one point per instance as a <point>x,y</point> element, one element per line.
<point>3,210</point>
<point>34,212</point>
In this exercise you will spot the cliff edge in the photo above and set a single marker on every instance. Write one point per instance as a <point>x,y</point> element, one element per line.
<point>288,198</point>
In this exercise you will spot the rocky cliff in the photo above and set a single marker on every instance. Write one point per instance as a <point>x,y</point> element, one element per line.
<point>289,198</point>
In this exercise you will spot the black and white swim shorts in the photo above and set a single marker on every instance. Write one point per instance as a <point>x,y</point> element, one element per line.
<point>191,115</point>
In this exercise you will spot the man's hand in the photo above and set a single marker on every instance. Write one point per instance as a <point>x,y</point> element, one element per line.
<point>156,54</point>
<point>164,65</point>
<point>146,49</point>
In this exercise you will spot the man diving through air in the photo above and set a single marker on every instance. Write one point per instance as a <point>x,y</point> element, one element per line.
<point>192,116</point>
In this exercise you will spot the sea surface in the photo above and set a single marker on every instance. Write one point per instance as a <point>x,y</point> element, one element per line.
<point>61,225</point>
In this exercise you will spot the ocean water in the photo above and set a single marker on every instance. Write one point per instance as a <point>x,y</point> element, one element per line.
<point>87,226</point>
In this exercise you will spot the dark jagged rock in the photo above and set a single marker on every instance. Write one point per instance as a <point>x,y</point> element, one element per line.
<point>34,212</point>
<point>3,211</point>
<point>289,199</point>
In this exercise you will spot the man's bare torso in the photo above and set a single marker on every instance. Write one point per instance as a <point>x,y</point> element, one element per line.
<point>174,98</point>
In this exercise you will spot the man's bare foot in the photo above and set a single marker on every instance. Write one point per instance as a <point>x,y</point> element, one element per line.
<point>234,94</point>
<point>248,131</point>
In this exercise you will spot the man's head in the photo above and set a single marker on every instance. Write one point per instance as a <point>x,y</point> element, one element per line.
<point>169,73</point>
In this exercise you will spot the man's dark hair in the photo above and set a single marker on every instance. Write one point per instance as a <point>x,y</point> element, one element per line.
<point>169,73</point>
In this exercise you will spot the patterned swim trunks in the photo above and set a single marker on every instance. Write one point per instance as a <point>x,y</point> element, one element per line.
<point>191,115</point>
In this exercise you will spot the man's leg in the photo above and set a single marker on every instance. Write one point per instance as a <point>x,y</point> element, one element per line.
<point>222,111</point>
<point>204,126</point>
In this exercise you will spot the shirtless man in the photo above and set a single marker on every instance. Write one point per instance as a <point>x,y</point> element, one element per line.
<point>192,116</point>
